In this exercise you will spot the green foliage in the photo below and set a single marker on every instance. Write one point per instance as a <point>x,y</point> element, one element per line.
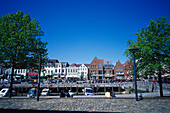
<point>20,40</point>
<point>82,74</point>
<point>153,43</point>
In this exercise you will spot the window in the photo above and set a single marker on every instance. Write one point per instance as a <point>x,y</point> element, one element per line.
<point>56,66</point>
<point>100,72</point>
<point>59,70</point>
<point>24,71</point>
<point>100,66</point>
<point>56,70</point>
<point>119,69</point>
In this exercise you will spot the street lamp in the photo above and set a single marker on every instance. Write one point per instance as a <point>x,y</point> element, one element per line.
<point>39,72</point>
<point>133,51</point>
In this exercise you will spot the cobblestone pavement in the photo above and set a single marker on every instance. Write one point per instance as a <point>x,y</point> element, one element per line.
<point>90,105</point>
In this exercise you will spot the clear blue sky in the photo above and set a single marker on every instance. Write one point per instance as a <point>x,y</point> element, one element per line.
<point>79,30</point>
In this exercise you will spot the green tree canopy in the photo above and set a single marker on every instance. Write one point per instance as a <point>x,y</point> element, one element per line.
<point>20,41</point>
<point>153,43</point>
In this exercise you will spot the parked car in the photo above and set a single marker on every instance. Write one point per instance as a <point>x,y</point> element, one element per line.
<point>45,92</point>
<point>5,91</point>
<point>31,93</point>
<point>88,91</point>
<point>71,93</point>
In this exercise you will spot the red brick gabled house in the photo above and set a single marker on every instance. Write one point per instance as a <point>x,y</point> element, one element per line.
<point>127,66</point>
<point>122,71</point>
<point>96,66</point>
<point>119,70</point>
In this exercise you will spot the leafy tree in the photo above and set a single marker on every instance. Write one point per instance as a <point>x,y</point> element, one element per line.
<point>90,76</point>
<point>82,74</point>
<point>20,41</point>
<point>153,42</point>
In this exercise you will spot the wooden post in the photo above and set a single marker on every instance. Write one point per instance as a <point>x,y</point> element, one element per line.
<point>104,89</point>
<point>84,89</point>
<point>97,89</point>
<point>57,90</point>
<point>71,87</point>
<point>77,90</point>
<point>93,90</point>
<point>21,91</point>
<point>18,91</point>
<point>112,88</point>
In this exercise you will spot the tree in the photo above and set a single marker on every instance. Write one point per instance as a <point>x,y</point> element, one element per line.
<point>153,43</point>
<point>82,75</point>
<point>20,41</point>
<point>89,76</point>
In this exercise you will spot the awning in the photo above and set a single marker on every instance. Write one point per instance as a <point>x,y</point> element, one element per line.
<point>33,75</point>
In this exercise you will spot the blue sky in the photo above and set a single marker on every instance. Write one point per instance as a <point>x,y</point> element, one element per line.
<point>79,30</point>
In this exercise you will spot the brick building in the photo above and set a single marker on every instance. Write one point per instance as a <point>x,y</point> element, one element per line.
<point>96,67</point>
<point>101,68</point>
<point>122,71</point>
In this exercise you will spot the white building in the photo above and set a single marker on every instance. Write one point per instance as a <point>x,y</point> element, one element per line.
<point>49,68</point>
<point>60,69</point>
<point>16,71</point>
<point>83,70</point>
<point>72,71</point>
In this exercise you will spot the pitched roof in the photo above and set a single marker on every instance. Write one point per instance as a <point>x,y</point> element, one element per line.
<point>101,61</point>
<point>74,65</point>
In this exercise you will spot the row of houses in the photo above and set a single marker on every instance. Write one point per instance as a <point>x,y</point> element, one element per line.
<point>97,69</point>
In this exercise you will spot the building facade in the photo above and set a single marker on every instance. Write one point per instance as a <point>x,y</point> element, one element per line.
<point>83,71</point>
<point>49,68</point>
<point>96,68</point>
<point>122,71</point>
<point>61,69</point>
<point>72,71</point>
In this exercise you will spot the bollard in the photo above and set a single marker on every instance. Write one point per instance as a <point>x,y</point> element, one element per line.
<point>97,89</point>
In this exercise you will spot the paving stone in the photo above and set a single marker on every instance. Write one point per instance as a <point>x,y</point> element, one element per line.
<point>99,105</point>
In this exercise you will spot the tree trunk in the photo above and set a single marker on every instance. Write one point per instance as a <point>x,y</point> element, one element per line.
<point>11,84</point>
<point>160,84</point>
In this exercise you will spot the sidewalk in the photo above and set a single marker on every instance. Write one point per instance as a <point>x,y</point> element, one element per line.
<point>130,96</point>
<point>161,105</point>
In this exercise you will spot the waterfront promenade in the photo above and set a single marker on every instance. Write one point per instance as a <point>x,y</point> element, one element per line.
<point>147,105</point>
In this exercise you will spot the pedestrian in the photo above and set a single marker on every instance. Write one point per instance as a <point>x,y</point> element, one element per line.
<point>67,95</point>
<point>112,94</point>
<point>62,94</point>
<point>152,87</point>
